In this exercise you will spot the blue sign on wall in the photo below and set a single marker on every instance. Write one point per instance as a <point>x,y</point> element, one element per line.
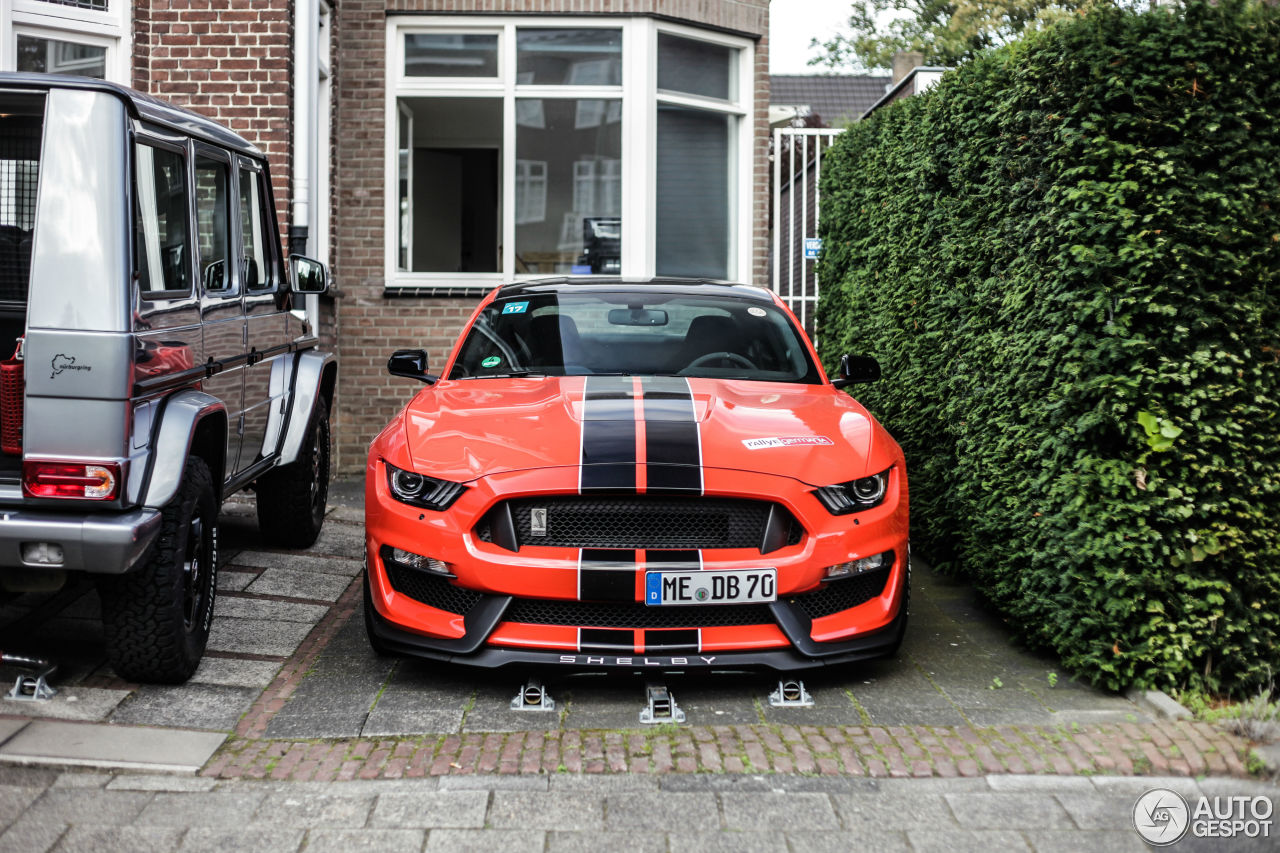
<point>812,248</point>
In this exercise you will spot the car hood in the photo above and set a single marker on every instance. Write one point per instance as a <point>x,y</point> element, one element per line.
<point>465,429</point>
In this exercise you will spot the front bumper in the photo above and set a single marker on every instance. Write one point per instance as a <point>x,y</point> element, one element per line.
<point>101,543</point>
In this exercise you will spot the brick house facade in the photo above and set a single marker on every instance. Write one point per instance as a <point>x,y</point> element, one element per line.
<point>242,63</point>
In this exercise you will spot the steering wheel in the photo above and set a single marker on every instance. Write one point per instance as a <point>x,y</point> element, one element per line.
<point>732,357</point>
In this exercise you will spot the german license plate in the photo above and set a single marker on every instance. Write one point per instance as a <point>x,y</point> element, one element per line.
<point>734,586</point>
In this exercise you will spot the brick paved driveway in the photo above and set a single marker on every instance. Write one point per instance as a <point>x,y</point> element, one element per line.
<point>290,675</point>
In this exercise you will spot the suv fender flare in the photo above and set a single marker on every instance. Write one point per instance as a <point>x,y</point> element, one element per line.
<point>189,422</point>
<point>314,379</point>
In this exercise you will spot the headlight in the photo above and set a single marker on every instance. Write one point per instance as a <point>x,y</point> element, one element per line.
<point>419,490</point>
<point>855,495</point>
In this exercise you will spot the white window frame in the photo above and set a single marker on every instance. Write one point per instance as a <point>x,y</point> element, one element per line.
<point>110,29</point>
<point>639,98</point>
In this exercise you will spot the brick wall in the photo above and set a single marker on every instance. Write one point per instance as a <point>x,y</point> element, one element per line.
<point>231,60</point>
<point>371,325</point>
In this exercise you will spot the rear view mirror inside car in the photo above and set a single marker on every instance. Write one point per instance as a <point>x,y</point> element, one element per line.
<point>637,317</point>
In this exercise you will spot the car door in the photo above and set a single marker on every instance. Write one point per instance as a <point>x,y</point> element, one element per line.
<point>221,306</point>
<point>265,376</point>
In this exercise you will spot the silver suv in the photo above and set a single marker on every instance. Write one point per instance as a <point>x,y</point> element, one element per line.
<point>153,364</point>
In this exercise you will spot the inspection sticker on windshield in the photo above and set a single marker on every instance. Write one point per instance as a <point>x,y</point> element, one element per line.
<point>787,441</point>
<point>515,307</point>
<point>491,361</point>
<point>756,311</point>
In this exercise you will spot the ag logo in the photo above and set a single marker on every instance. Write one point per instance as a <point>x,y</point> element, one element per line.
<point>1161,817</point>
<point>537,521</point>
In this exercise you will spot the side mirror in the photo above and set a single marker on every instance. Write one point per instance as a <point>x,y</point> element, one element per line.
<point>308,276</point>
<point>215,276</point>
<point>855,369</point>
<point>411,364</point>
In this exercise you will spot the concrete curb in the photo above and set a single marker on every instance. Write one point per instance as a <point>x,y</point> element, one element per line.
<point>1159,703</point>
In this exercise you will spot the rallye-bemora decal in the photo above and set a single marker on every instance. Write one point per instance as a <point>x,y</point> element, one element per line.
<point>787,441</point>
<point>640,435</point>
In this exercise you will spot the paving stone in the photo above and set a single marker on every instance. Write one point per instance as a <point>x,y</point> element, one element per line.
<point>29,777</point>
<point>216,809</point>
<point>966,841</point>
<point>1049,841</point>
<point>785,812</point>
<point>73,702</point>
<point>485,841</point>
<point>372,840</point>
<point>32,835</point>
<point>1008,811</point>
<point>342,540</point>
<point>656,812</point>
<point>840,842</point>
<point>229,580</point>
<point>1098,811</point>
<point>299,562</point>
<point>14,800</point>
<point>261,840</point>
<point>174,784</point>
<point>613,842</point>
<point>317,586</point>
<point>135,839</point>
<point>414,702</point>
<point>728,842</point>
<point>430,809</point>
<point>487,782</point>
<point>328,703</point>
<point>1023,783</point>
<point>72,744</point>
<point>1135,786</point>
<point>552,810</point>
<point>80,779</point>
<point>604,784</point>
<point>707,702</point>
<point>232,672</point>
<point>928,785</point>
<point>1009,717</point>
<point>257,636</point>
<point>196,706</point>
<point>877,811</point>
<point>309,810</point>
<point>258,608</point>
<point>346,514</point>
<point>89,807</point>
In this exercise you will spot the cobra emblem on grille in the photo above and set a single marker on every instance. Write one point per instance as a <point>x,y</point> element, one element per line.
<point>537,521</point>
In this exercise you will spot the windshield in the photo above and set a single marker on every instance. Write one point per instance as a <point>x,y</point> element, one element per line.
<point>634,333</point>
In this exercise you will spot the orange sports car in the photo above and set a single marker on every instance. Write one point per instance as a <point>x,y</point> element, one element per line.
<point>655,474</point>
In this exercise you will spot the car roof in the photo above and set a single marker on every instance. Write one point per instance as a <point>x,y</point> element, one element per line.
<point>140,105</point>
<point>613,284</point>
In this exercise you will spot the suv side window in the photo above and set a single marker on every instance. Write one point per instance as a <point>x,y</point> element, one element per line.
<point>162,236</point>
<point>257,270</point>
<point>212,197</point>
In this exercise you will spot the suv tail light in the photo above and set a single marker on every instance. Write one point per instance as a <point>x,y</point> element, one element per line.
<point>95,481</point>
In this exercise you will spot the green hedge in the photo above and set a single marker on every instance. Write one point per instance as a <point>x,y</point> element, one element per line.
<point>1067,258</point>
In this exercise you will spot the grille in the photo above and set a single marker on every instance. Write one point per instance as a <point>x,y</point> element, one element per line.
<point>639,522</point>
<point>599,614</point>
<point>20,130</point>
<point>841,595</point>
<point>431,590</point>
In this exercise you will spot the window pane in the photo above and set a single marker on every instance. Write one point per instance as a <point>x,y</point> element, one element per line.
<point>211,222</point>
<point>450,55</point>
<point>451,190</point>
<point>95,5</point>
<point>695,160</point>
<point>695,67</point>
<point>61,57</point>
<point>577,57</point>
<point>569,192</point>
<point>160,220</point>
<point>253,234</point>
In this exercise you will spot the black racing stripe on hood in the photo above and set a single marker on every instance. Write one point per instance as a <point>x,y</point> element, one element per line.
<point>673,448</point>
<point>608,435</point>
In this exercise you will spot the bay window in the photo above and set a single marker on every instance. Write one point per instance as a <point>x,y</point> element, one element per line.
<point>525,147</point>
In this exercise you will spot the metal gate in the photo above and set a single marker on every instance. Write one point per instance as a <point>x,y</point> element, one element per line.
<point>797,171</point>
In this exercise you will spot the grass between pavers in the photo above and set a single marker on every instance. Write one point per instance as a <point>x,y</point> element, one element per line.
<point>1181,747</point>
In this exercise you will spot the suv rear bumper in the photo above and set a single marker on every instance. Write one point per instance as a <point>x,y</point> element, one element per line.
<point>102,543</point>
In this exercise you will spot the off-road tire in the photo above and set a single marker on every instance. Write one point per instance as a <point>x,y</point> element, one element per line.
<point>379,648</point>
<point>156,617</point>
<point>292,498</point>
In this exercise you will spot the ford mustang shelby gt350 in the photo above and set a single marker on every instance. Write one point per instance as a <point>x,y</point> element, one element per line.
<point>653,474</point>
